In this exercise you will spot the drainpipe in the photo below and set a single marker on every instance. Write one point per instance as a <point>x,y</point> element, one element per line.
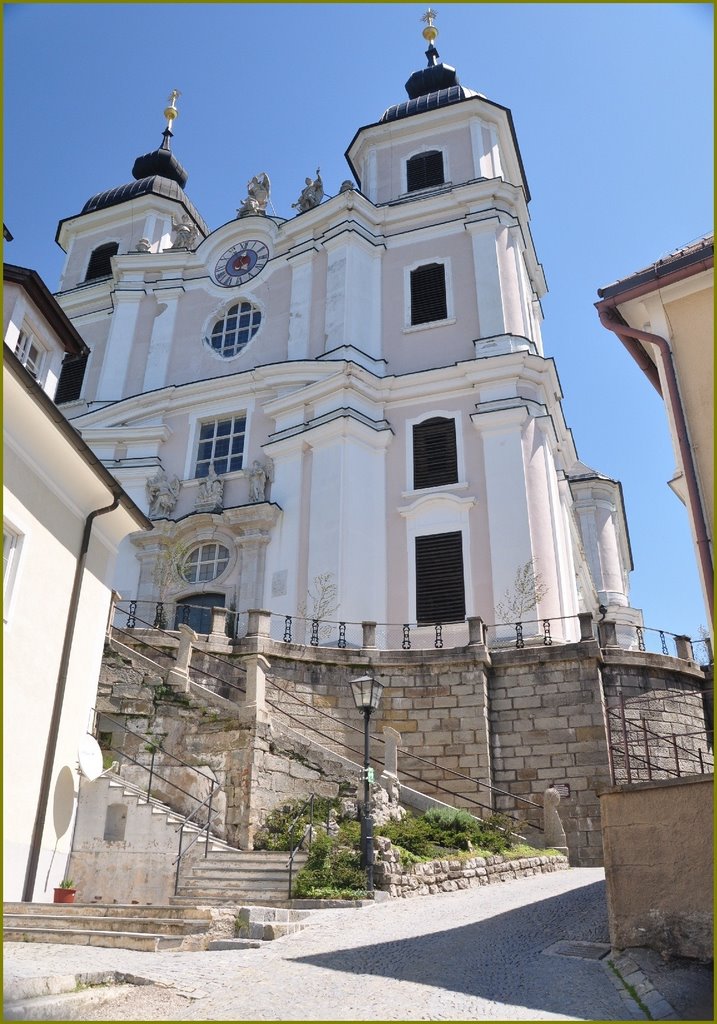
<point>629,336</point>
<point>60,686</point>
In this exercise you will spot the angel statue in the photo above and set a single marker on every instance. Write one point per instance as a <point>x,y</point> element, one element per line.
<point>258,190</point>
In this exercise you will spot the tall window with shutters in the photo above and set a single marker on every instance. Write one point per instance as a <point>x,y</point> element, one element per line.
<point>440,587</point>
<point>435,459</point>
<point>428,294</point>
<point>424,170</point>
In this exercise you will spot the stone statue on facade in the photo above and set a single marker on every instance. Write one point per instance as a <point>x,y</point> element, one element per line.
<point>258,190</point>
<point>347,186</point>
<point>185,233</point>
<point>144,245</point>
<point>162,494</point>
<point>210,493</point>
<point>310,196</point>
<point>258,477</point>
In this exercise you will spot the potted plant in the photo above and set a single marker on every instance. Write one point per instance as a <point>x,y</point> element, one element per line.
<point>65,892</point>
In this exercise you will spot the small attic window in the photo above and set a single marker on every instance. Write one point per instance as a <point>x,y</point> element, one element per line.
<point>100,264</point>
<point>424,170</point>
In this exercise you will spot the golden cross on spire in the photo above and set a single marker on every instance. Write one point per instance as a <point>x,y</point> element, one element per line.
<point>430,32</point>
<point>171,111</point>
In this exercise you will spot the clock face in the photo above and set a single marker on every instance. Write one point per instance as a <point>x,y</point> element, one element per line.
<point>240,263</point>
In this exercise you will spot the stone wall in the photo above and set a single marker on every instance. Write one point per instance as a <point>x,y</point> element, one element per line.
<point>658,840</point>
<point>450,875</point>
<point>548,728</point>
<point>482,730</point>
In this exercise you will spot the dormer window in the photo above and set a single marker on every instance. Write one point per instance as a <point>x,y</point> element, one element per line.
<point>424,171</point>
<point>100,264</point>
<point>29,352</point>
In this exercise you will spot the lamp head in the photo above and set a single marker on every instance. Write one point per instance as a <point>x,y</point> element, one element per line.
<point>366,693</point>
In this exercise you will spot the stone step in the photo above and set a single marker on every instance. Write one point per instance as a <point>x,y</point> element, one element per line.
<point>178,925</point>
<point>105,910</point>
<point>66,1005</point>
<point>143,941</point>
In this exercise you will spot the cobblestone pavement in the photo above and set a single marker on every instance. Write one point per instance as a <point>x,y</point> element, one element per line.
<point>474,954</point>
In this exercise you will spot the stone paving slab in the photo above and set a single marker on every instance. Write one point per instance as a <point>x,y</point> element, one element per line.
<point>476,954</point>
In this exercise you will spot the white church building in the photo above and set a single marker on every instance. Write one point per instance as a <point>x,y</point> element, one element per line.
<point>357,393</point>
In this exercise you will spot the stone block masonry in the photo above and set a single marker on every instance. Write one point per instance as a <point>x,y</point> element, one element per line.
<point>487,731</point>
<point>435,876</point>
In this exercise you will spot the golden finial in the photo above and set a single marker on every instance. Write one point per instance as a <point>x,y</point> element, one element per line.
<point>171,111</point>
<point>430,32</point>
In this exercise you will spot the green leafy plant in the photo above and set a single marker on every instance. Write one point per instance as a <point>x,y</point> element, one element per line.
<point>281,831</point>
<point>330,869</point>
<point>446,830</point>
<point>66,883</point>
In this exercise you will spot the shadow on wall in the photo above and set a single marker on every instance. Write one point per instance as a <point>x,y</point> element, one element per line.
<point>500,959</point>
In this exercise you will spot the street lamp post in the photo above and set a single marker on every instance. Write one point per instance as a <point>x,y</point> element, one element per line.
<point>367,694</point>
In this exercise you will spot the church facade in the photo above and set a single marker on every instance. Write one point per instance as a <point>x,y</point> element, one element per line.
<point>355,397</point>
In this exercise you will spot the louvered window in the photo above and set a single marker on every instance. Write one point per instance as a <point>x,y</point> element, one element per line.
<point>424,170</point>
<point>100,264</point>
<point>440,594</point>
<point>435,461</point>
<point>428,294</point>
<point>72,374</point>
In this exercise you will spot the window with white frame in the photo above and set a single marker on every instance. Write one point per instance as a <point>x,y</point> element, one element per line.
<point>435,455</point>
<point>205,562</point>
<point>29,351</point>
<point>233,332</point>
<point>440,585</point>
<point>428,294</point>
<point>11,541</point>
<point>424,170</point>
<point>221,444</point>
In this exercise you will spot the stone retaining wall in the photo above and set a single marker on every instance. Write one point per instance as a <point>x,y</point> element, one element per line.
<point>450,875</point>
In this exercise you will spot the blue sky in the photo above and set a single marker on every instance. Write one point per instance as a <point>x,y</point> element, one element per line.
<point>612,108</point>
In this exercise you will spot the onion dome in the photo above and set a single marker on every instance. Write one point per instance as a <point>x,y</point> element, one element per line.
<point>436,85</point>
<point>156,173</point>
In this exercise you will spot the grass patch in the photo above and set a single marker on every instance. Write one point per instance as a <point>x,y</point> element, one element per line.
<point>631,990</point>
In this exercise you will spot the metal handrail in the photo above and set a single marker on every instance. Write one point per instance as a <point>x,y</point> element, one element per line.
<point>200,833</point>
<point>141,736</point>
<point>293,850</point>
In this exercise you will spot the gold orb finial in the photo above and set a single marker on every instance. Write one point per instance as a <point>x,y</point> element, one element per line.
<point>171,111</point>
<point>430,32</point>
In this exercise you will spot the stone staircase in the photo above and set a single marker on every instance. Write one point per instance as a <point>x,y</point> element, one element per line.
<point>126,927</point>
<point>229,876</point>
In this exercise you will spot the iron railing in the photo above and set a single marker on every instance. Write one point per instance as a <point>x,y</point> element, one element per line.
<point>405,636</point>
<point>153,748</point>
<point>643,748</point>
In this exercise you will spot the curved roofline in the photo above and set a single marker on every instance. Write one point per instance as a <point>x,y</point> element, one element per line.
<point>467,99</point>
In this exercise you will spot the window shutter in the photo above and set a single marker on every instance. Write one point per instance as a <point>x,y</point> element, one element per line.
<point>435,461</point>
<point>428,294</point>
<point>100,264</point>
<point>440,595</point>
<point>424,170</point>
<point>72,374</point>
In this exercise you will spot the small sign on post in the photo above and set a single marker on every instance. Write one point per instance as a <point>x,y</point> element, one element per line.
<point>370,775</point>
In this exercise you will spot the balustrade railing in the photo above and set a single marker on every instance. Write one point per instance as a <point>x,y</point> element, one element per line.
<point>407,636</point>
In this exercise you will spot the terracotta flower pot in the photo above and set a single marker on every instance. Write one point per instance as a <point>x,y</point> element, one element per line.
<point>64,896</point>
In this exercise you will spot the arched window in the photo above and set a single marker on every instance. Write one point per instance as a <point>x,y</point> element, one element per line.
<point>100,264</point>
<point>235,330</point>
<point>205,562</point>
<point>424,170</point>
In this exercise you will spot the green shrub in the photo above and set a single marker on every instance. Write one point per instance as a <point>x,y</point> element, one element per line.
<point>350,833</point>
<point>412,833</point>
<point>330,866</point>
<point>281,832</point>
